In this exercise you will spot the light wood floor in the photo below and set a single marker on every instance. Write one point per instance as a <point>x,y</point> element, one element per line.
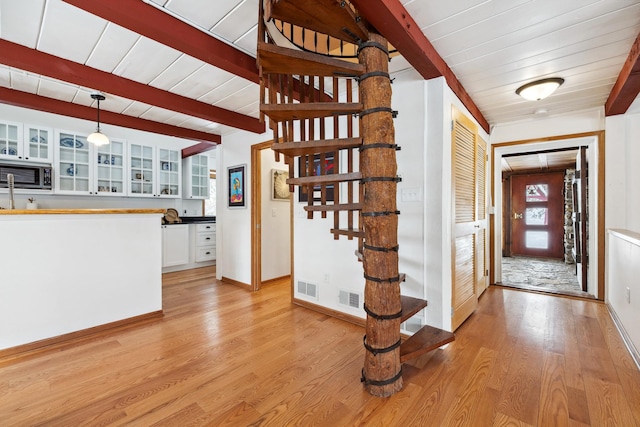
<point>223,356</point>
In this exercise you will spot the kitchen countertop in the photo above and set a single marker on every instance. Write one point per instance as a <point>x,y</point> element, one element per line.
<point>197,219</point>
<point>79,211</point>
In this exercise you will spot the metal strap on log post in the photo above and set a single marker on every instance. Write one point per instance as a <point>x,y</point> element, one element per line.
<point>376,45</point>
<point>379,145</point>
<point>393,112</point>
<point>376,351</point>
<point>391,380</point>
<point>382,316</point>
<point>381,249</point>
<point>373,74</point>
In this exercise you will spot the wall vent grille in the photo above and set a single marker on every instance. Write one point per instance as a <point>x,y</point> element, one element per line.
<point>308,289</point>
<point>350,299</point>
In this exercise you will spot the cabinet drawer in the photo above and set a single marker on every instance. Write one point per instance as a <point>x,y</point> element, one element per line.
<point>207,253</point>
<point>204,228</point>
<point>205,239</point>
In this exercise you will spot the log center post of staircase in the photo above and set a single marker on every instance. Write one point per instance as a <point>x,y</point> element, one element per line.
<point>382,373</point>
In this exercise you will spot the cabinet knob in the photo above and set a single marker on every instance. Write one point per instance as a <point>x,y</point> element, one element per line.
<point>208,238</point>
<point>208,253</point>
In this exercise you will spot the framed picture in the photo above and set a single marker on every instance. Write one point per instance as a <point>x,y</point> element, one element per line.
<point>236,178</point>
<point>279,186</point>
<point>329,168</point>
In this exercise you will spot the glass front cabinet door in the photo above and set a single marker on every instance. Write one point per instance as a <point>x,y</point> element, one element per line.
<point>110,171</point>
<point>73,170</point>
<point>82,168</point>
<point>196,177</point>
<point>32,143</point>
<point>154,172</point>
<point>142,170</point>
<point>37,144</point>
<point>169,172</point>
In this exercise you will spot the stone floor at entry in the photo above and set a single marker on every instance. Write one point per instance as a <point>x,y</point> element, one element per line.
<point>541,274</point>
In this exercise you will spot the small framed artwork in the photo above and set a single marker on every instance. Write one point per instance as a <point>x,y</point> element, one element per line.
<point>316,171</point>
<point>236,179</point>
<point>279,186</point>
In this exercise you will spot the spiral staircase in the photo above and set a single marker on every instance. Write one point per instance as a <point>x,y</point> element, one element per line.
<point>312,56</point>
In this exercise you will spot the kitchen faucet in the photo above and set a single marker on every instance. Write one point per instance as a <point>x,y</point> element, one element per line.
<point>12,202</point>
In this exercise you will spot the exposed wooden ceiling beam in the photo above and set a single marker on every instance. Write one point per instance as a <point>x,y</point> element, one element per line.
<point>36,102</point>
<point>32,60</point>
<point>157,25</point>
<point>197,149</point>
<point>391,19</point>
<point>627,87</point>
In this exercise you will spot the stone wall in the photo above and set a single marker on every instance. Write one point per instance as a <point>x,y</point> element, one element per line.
<point>569,238</point>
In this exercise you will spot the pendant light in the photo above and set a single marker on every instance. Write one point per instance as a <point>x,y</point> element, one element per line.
<point>98,138</point>
<point>540,89</point>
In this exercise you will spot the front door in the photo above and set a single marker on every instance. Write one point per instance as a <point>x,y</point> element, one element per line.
<point>537,217</point>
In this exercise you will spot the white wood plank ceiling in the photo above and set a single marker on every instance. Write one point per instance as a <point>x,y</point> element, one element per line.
<point>492,46</point>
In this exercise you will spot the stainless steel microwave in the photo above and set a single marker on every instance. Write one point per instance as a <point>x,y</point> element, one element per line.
<point>36,177</point>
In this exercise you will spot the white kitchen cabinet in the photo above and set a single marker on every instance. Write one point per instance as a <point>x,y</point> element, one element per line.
<point>175,244</point>
<point>37,144</point>
<point>82,168</point>
<point>205,242</point>
<point>34,144</point>
<point>154,172</point>
<point>196,177</point>
<point>201,247</point>
<point>10,140</point>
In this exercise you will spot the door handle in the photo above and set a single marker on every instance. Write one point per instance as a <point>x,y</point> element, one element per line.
<point>517,215</point>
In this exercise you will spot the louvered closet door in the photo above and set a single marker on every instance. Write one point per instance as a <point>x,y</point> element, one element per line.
<point>465,228</point>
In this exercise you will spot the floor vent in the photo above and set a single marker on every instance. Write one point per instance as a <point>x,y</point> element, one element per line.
<point>308,289</point>
<point>350,299</point>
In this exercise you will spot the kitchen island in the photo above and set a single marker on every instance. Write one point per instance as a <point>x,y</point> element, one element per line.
<point>65,271</point>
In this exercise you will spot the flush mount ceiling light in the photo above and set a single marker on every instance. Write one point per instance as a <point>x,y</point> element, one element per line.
<point>540,89</point>
<point>98,138</point>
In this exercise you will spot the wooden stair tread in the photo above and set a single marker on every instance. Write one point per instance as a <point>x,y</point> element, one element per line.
<point>334,207</point>
<point>309,110</point>
<point>315,147</point>
<point>426,339</point>
<point>325,179</point>
<point>323,16</point>
<point>351,232</point>
<point>274,59</point>
<point>411,306</point>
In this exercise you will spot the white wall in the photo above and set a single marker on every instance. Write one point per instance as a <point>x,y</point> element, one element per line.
<point>65,273</point>
<point>23,115</point>
<point>622,207</point>
<point>275,223</point>
<point>233,231</point>
<point>622,172</point>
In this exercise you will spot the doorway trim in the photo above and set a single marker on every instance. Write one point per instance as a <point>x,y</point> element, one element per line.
<point>256,216</point>
<point>592,140</point>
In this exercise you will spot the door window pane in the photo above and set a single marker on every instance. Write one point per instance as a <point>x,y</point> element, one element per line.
<point>536,216</point>
<point>536,239</point>
<point>536,193</point>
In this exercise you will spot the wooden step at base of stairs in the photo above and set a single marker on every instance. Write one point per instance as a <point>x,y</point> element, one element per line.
<point>324,16</point>
<point>334,207</point>
<point>281,60</point>
<point>325,179</point>
<point>315,147</point>
<point>426,339</point>
<point>308,110</point>
<point>350,232</point>
<point>411,306</point>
